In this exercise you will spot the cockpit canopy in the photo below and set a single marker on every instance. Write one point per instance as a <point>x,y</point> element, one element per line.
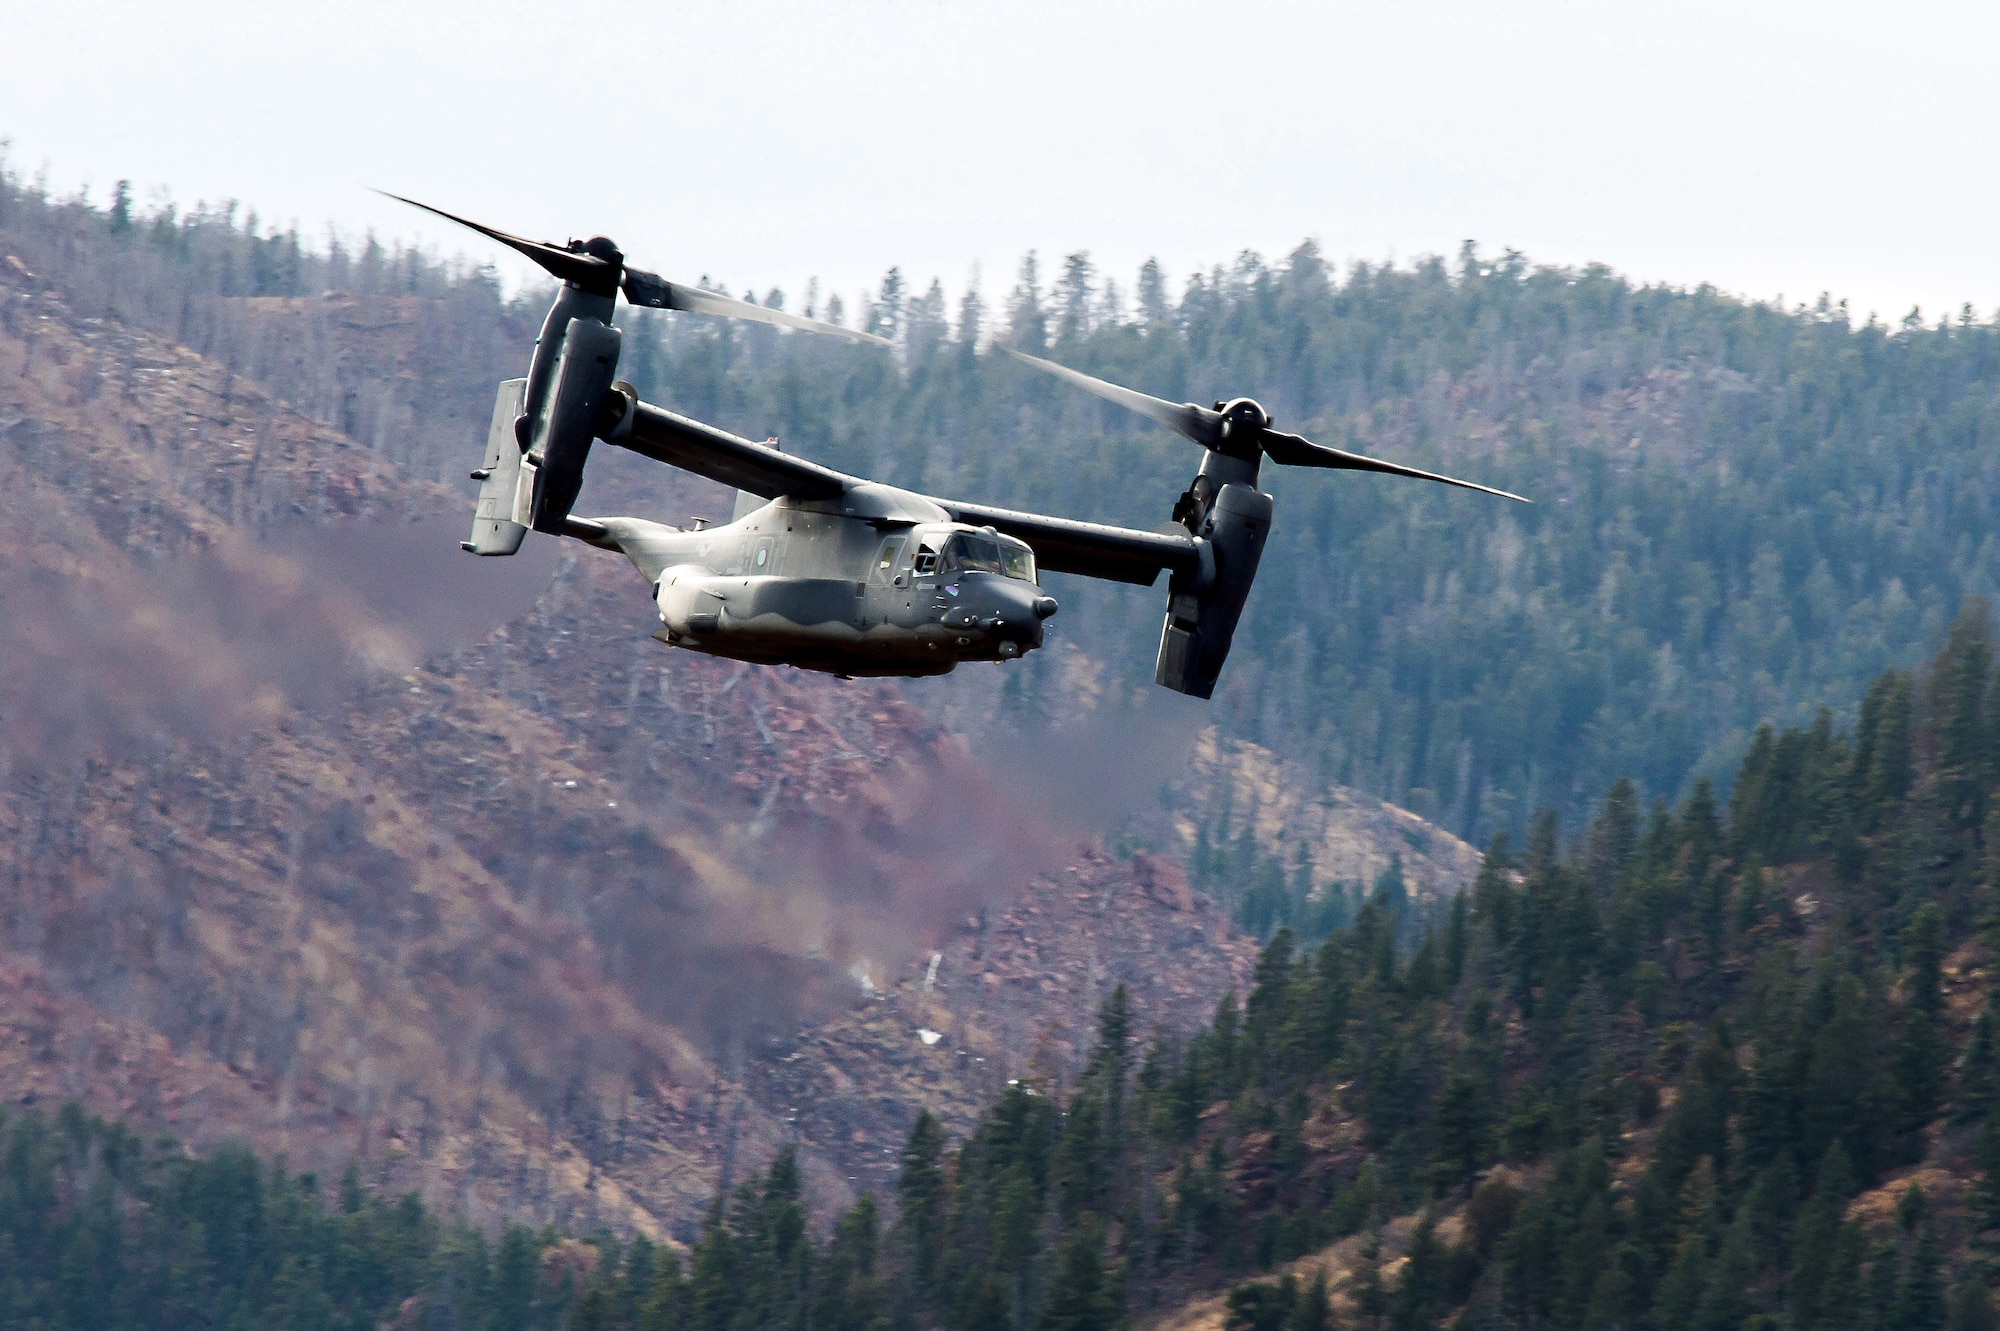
<point>951,554</point>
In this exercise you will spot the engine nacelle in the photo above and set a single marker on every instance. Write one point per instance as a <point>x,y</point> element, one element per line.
<point>1202,609</point>
<point>559,444</point>
<point>542,425</point>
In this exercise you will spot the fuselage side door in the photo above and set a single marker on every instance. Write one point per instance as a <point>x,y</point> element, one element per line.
<point>884,571</point>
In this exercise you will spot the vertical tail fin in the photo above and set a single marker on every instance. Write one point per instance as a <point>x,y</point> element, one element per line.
<point>497,527</point>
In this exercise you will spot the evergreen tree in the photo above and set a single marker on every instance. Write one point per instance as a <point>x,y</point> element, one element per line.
<point>1986,1159</point>
<point>1074,306</point>
<point>1919,1304</point>
<point>922,1197</point>
<point>1960,678</point>
<point>1312,1310</point>
<point>1082,1296</point>
<point>1259,1305</point>
<point>1463,1124</point>
<point>1419,1286</point>
<point>1979,1069</point>
<point>1920,1054</point>
<point>1371,1299</point>
<point>666,1304</point>
<point>1815,1290</point>
<point>1027,322</point>
<point>851,1296</point>
<point>1971,1307</point>
<point>1884,1285</point>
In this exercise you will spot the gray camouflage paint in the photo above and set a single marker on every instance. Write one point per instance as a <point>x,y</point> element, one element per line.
<point>791,583</point>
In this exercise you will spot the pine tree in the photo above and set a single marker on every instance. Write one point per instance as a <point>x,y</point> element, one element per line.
<point>1371,1300</point>
<point>1463,1125</point>
<point>922,1198</point>
<point>1312,1311</point>
<point>1919,1302</point>
<point>1084,1159</point>
<point>715,1285</point>
<point>1680,1293</point>
<point>1419,1285</point>
<point>1882,756</point>
<point>1073,299</point>
<point>1457,939</point>
<point>1698,1126</point>
<point>1614,837</point>
<point>1986,1159</point>
<point>1841,1301</point>
<point>885,313</point>
<point>1153,308</point>
<point>666,1305</point>
<point>1971,1307</point>
<point>971,316</point>
<point>851,1296</point>
<point>1883,1284</point>
<point>1959,681</point>
<point>1080,1297</point>
<point>1812,1291</point>
<point>925,327</point>
<point>1027,322</point>
<point>1920,1056</point>
<point>1259,1305</point>
<point>1493,892</point>
<point>1110,1065</point>
<point>1725,1301</point>
<point>1979,1069</point>
<point>514,1277</point>
<point>593,1312</point>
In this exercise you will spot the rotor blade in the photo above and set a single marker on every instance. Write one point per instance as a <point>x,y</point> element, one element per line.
<point>1289,450</point>
<point>655,292</point>
<point>566,265</point>
<point>1197,423</point>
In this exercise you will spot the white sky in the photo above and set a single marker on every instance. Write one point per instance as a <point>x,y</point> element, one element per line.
<point>1767,148</point>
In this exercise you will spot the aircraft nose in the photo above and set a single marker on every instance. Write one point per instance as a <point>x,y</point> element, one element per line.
<point>1017,611</point>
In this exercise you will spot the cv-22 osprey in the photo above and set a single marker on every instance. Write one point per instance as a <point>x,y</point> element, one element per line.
<point>837,573</point>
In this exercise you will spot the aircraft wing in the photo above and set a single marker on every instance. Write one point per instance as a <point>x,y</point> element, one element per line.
<point>1088,548</point>
<point>1091,549</point>
<point>721,456</point>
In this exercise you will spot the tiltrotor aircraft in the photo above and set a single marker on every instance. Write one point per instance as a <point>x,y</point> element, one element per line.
<point>837,573</point>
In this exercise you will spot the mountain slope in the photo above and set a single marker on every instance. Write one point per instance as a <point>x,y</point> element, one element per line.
<point>1696,1067</point>
<point>536,915</point>
<point>1742,512</point>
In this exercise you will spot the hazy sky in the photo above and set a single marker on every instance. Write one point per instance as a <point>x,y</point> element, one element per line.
<point>1767,148</point>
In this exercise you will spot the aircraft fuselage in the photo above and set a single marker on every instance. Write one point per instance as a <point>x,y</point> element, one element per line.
<point>811,584</point>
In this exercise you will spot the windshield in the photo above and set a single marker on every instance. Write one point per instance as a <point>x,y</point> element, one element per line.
<point>972,554</point>
<point>1017,558</point>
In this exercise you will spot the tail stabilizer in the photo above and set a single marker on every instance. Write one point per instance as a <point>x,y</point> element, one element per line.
<point>498,516</point>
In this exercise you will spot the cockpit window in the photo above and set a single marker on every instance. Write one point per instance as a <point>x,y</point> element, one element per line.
<point>1017,559</point>
<point>972,554</point>
<point>926,560</point>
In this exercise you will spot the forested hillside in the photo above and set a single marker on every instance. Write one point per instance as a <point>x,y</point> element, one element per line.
<point>1695,1067</point>
<point>1742,512</point>
<point>1715,1066</point>
<point>316,833</point>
